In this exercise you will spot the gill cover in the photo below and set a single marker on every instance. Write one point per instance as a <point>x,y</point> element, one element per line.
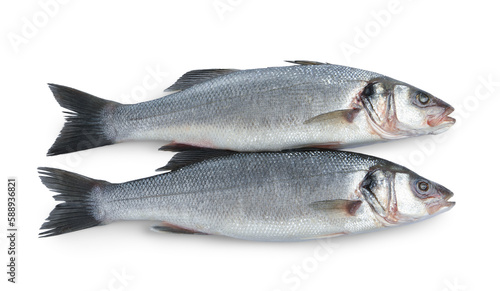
<point>378,101</point>
<point>378,189</point>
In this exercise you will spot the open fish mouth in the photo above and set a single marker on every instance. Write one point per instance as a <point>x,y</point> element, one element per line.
<point>441,122</point>
<point>442,205</point>
<point>442,119</point>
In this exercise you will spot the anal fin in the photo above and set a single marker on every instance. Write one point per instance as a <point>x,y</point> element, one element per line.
<point>178,147</point>
<point>328,146</point>
<point>167,227</point>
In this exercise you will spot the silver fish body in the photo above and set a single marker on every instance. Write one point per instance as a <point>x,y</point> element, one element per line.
<point>251,110</point>
<point>270,109</point>
<point>273,196</point>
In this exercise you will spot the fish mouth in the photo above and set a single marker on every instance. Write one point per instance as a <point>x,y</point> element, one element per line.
<point>443,118</point>
<point>441,122</point>
<point>441,205</point>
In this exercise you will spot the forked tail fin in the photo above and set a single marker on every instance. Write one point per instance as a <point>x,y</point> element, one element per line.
<point>85,125</point>
<point>79,209</point>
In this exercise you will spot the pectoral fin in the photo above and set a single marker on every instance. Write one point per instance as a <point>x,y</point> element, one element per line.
<point>339,116</point>
<point>167,227</point>
<point>338,206</point>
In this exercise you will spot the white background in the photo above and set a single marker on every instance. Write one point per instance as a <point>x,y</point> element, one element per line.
<point>110,48</point>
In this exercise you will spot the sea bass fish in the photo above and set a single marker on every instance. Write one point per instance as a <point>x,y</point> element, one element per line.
<point>269,196</point>
<point>306,105</point>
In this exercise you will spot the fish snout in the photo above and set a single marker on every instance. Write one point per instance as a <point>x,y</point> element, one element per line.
<point>445,116</point>
<point>441,203</point>
<point>442,121</point>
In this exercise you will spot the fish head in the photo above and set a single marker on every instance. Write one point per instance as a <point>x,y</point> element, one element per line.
<point>419,198</point>
<point>400,196</point>
<point>397,110</point>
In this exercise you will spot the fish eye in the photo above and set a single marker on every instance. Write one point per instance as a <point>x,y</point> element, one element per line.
<point>423,99</point>
<point>423,186</point>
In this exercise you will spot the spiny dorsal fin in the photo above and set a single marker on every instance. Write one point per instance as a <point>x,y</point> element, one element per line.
<point>186,158</point>
<point>194,77</point>
<point>302,62</point>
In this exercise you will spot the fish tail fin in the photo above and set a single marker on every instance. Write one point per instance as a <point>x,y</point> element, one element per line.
<point>85,125</point>
<point>79,209</point>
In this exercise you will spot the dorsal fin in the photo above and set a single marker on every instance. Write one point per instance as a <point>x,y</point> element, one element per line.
<point>302,62</point>
<point>186,158</point>
<point>194,77</point>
